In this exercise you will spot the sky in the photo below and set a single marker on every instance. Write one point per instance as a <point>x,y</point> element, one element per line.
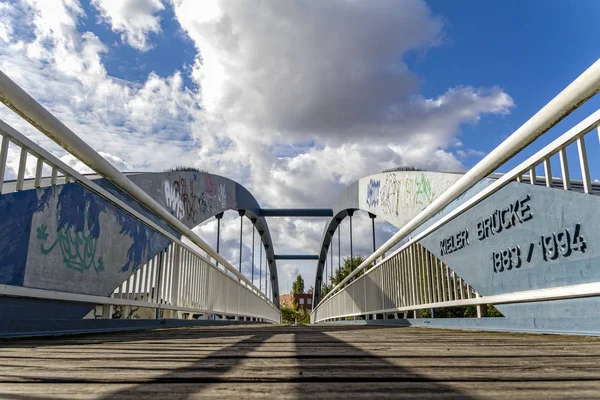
<point>297,99</point>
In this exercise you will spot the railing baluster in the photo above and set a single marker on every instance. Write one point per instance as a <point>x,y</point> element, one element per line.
<point>564,166</point>
<point>135,284</point>
<point>54,175</point>
<point>3,157</point>
<point>413,274</point>
<point>22,165</point>
<point>583,162</point>
<point>548,172</point>
<point>149,280</point>
<point>38,172</point>
<point>532,176</point>
<point>439,283</point>
<point>455,285</point>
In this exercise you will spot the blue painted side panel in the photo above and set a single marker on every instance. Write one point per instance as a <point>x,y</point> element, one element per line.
<point>16,210</point>
<point>17,308</point>
<point>67,238</point>
<point>526,237</point>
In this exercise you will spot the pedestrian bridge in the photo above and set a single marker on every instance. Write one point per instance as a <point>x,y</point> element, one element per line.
<point>116,251</point>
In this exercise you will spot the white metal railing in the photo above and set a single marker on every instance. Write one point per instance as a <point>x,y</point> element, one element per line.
<point>584,87</point>
<point>242,298</point>
<point>181,282</point>
<point>410,280</point>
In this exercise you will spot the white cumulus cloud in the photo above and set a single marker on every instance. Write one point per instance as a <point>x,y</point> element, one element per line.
<point>134,19</point>
<point>294,99</point>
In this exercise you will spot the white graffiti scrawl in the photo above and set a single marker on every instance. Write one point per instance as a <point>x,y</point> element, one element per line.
<point>222,196</point>
<point>174,201</point>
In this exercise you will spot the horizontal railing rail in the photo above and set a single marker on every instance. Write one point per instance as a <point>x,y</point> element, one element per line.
<point>49,170</point>
<point>574,95</point>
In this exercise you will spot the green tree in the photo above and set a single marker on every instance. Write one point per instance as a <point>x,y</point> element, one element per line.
<point>298,285</point>
<point>288,315</point>
<point>294,314</point>
<point>310,290</point>
<point>340,274</point>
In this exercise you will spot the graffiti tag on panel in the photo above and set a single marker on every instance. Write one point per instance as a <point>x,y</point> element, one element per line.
<point>373,192</point>
<point>189,199</point>
<point>397,194</point>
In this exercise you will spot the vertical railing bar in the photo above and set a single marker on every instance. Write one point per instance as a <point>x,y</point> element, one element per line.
<point>422,276</point>
<point>149,280</point>
<point>143,273</point>
<point>426,275</point>
<point>583,162</point>
<point>188,272</point>
<point>439,279</point>
<point>54,175</point>
<point>532,176</point>
<point>419,268</point>
<point>22,166</point>
<point>3,158</point>
<point>455,285</point>
<point>564,166</point>
<point>405,273</point>
<point>169,277</point>
<point>135,281</point>
<point>163,267</point>
<point>448,283</point>
<point>196,281</point>
<point>38,173</point>
<point>431,280</point>
<point>548,172</point>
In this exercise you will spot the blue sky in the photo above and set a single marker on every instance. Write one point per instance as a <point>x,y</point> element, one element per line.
<point>296,100</point>
<point>532,49</point>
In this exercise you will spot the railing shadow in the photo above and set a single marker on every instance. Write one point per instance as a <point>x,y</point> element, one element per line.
<point>261,361</point>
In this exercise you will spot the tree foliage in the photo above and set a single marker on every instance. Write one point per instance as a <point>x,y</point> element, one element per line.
<point>460,312</point>
<point>298,285</point>
<point>294,314</point>
<point>341,273</point>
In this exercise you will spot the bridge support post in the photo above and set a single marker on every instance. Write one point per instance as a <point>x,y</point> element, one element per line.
<point>241,213</point>
<point>373,216</point>
<point>253,229</point>
<point>350,214</point>
<point>218,217</point>
<point>339,248</point>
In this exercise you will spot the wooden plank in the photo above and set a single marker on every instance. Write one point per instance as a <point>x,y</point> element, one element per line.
<point>295,362</point>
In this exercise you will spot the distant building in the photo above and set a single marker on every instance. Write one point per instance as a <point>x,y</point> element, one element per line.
<point>303,300</point>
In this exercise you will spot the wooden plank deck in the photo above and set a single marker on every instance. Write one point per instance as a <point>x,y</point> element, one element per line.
<point>301,362</point>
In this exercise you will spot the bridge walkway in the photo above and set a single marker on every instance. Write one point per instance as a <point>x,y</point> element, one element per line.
<point>269,361</point>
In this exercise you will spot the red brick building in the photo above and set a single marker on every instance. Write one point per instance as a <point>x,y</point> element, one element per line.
<point>303,300</point>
